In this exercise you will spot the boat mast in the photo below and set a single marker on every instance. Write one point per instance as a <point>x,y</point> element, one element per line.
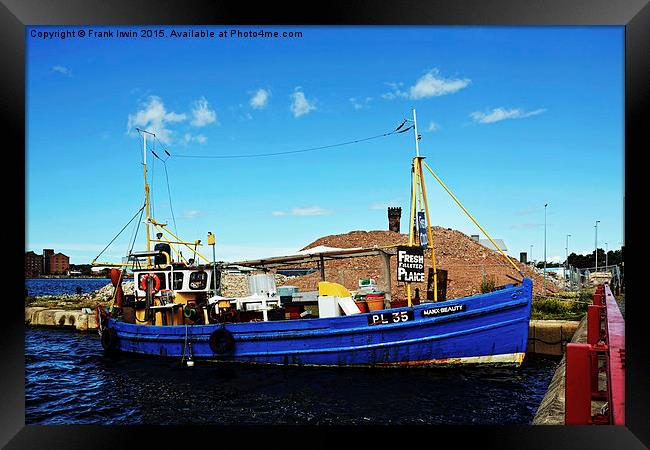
<point>418,183</point>
<point>415,130</point>
<point>146,190</point>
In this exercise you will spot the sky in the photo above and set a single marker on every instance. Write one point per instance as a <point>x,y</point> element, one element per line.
<point>510,118</point>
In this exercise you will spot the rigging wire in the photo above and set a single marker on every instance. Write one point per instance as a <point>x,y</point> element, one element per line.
<point>397,130</point>
<point>258,155</point>
<point>135,234</point>
<point>170,199</point>
<point>120,232</point>
<point>169,194</point>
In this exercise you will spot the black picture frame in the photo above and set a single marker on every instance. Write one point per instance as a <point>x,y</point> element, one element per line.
<point>633,14</point>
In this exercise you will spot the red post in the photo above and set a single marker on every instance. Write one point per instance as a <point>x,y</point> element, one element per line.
<point>598,299</point>
<point>577,386</point>
<point>593,324</point>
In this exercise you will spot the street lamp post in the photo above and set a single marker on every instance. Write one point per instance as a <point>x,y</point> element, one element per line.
<point>596,245</point>
<point>566,262</point>
<point>606,250</point>
<point>531,254</point>
<point>545,205</point>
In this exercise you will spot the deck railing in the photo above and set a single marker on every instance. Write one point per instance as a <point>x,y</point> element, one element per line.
<point>604,352</point>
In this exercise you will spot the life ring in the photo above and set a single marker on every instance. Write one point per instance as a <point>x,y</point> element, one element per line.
<point>221,341</point>
<point>109,339</point>
<point>143,282</point>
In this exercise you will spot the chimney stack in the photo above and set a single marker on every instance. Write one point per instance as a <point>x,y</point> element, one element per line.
<point>394,216</point>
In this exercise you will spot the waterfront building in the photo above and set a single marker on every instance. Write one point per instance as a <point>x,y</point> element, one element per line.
<point>33,264</point>
<point>49,263</point>
<point>47,252</point>
<point>59,264</point>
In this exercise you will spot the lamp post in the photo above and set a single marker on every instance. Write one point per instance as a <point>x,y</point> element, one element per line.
<point>606,249</point>
<point>566,262</point>
<point>596,226</point>
<point>531,254</point>
<point>545,205</point>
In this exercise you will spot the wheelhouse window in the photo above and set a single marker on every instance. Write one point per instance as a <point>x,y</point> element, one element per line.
<point>198,280</point>
<point>177,283</point>
<point>161,275</point>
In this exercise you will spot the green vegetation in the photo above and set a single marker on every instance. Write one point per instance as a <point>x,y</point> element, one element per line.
<point>488,284</point>
<point>614,257</point>
<point>562,306</point>
<point>71,302</point>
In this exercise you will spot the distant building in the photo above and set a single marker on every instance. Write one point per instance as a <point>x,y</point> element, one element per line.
<point>47,253</point>
<point>59,264</point>
<point>394,216</point>
<point>49,263</point>
<point>33,264</point>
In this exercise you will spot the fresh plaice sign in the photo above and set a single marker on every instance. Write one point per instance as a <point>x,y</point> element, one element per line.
<point>410,264</point>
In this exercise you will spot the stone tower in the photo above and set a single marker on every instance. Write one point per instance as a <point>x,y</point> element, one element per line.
<point>394,216</point>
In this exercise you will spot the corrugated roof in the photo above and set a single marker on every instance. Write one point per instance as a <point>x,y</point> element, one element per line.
<point>310,255</point>
<point>488,244</point>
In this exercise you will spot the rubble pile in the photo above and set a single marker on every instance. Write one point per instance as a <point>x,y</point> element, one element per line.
<point>102,296</point>
<point>468,263</point>
<point>236,284</point>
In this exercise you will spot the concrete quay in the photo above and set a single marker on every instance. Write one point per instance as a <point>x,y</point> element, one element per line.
<point>61,318</point>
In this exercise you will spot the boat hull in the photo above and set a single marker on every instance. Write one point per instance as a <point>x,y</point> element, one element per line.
<point>482,329</point>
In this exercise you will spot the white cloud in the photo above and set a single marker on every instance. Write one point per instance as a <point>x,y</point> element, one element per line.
<point>192,213</point>
<point>359,103</point>
<point>431,84</point>
<point>300,105</point>
<point>307,211</point>
<point>260,99</point>
<point>154,118</point>
<point>433,126</point>
<point>199,139</point>
<point>396,91</point>
<point>310,211</point>
<point>62,70</point>
<point>498,114</point>
<point>202,114</point>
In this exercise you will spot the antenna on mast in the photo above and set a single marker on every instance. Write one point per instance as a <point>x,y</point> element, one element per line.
<point>417,138</point>
<point>146,188</point>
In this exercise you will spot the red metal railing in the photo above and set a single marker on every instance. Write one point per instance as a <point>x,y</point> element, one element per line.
<point>603,352</point>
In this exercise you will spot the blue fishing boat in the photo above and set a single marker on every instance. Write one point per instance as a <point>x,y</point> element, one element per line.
<point>488,328</point>
<point>177,310</point>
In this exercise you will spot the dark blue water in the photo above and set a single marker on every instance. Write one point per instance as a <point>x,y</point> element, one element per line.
<point>38,287</point>
<point>69,380</point>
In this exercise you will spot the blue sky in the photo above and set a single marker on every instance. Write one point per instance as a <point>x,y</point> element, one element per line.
<point>511,118</point>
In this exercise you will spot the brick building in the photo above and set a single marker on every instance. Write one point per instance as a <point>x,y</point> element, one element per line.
<point>49,263</point>
<point>59,264</point>
<point>33,264</point>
